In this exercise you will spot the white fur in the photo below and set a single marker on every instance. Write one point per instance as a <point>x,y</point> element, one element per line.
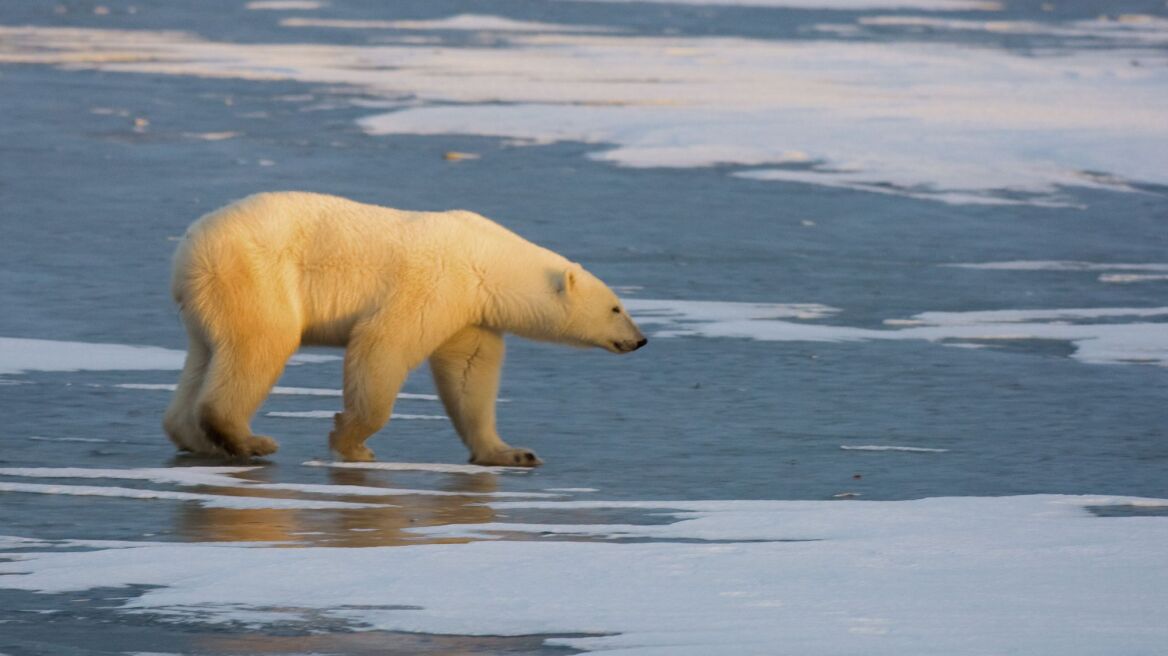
<point>263,276</point>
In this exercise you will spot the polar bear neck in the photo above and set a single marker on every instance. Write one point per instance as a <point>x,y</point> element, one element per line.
<point>518,283</point>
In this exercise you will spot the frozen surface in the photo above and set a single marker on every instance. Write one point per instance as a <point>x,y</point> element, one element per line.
<point>223,477</point>
<point>882,447</point>
<point>1035,574</point>
<point>205,500</point>
<point>210,476</point>
<point>820,109</point>
<point>844,5</point>
<point>285,5</point>
<point>1061,265</point>
<point>20,354</point>
<point>881,249</point>
<point>282,390</point>
<point>1113,342</point>
<point>329,414</point>
<point>444,468</point>
<point>461,22</point>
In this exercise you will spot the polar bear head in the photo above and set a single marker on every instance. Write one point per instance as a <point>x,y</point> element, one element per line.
<point>567,305</point>
<point>591,314</point>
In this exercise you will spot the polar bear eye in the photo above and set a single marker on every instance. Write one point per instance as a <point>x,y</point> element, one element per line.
<point>616,310</point>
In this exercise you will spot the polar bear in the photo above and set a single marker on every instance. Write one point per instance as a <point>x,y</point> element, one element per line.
<point>259,278</point>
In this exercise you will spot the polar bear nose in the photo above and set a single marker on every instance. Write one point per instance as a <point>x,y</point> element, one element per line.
<point>643,341</point>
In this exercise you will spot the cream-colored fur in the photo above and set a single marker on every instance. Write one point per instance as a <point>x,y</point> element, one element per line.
<point>263,276</point>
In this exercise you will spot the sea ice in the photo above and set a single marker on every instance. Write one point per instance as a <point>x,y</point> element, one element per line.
<point>958,576</point>
<point>812,111</point>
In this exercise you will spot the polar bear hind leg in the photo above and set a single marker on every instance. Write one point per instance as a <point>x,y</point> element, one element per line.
<point>239,376</point>
<point>180,421</point>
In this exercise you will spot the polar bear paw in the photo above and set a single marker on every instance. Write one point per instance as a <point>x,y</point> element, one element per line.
<point>510,457</point>
<point>359,453</point>
<point>260,445</point>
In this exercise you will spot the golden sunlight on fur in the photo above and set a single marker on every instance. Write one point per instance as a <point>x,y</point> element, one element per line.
<point>261,277</point>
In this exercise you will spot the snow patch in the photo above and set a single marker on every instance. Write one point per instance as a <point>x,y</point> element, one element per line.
<point>955,574</point>
<point>285,5</point>
<point>874,447</point>
<point>205,500</point>
<point>838,5</point>
<point>290,391</point>
<point>1125,278</point>
<point>1058,265</point>
<point>809,111</point>
<point>19,355</point>
<point>220,477</point>
<point>329,414</point>
<point>461,22</point>
<point>1095,343</point>
<point>437,467</point>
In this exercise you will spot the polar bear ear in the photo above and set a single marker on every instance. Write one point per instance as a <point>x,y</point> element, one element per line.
<point>565,281</point>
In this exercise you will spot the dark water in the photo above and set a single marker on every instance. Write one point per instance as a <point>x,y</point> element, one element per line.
<point>88,207</point>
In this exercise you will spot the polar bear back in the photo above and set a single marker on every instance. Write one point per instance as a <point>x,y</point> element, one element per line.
<point>322,262</point>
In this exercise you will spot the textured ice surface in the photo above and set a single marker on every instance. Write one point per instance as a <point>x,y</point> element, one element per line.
<point>18,355</point>
<point>881,447</point>
<point>1035,575</point>
<point>21,354</point>
<point>329,414</point>
<point>844,5</point>
<point>1111,342</point>
<point>443,468</point>
<point>973,124</point>
<point>205,500</point>
<point>280,390</point>
<point>461,23</point>
<point>222,477</point>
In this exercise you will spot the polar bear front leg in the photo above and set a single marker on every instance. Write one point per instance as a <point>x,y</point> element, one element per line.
<point>466,371</point>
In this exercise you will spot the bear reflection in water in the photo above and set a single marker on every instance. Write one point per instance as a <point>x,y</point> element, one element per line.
<point>350,527</point>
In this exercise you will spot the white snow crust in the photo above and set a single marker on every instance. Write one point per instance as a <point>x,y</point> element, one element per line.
<point>954,576</point>
<point>225,477</point>
<point>1095,343</point>
<point>943,121</point>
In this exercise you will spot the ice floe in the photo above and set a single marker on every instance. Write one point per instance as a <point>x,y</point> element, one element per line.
<point>19,355</point>
<point>1155,272</point>
<point>1059,265</point>
<point>280,390</point>
<point>809,111</point>
<point>44,438</point>
<point>285,5</point>
<point>460,23</point>
<point>881,447</point>
<point>962,576</point>
<point>1096,343</point>
<point>1126,278</point>
<point>329,414</point>
<point>1128,29</point>
<point>210,476</point>
<point>205,500</point>
<point>224,477</point>
<point>841,5</point>
<point>437,467</point>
